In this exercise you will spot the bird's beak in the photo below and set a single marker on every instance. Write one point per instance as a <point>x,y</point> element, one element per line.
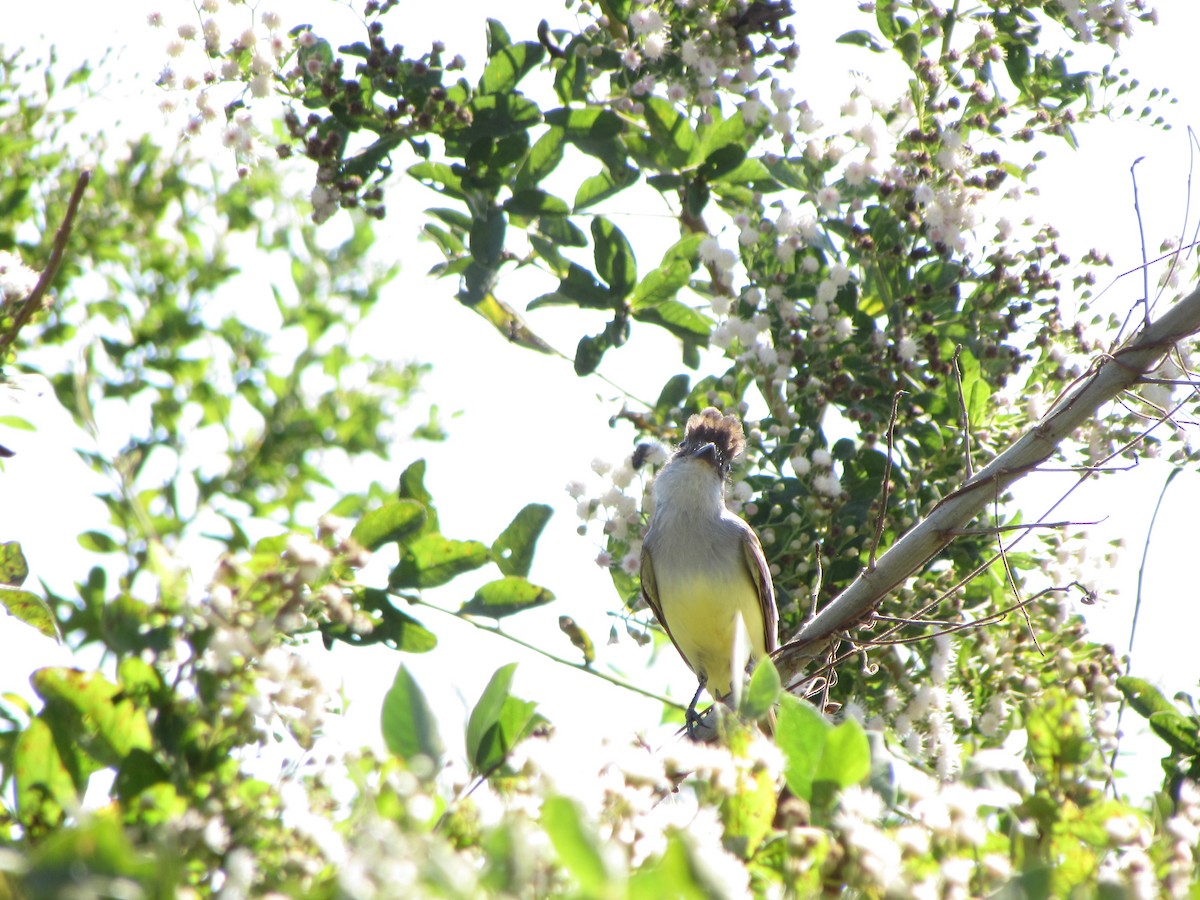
<point>708,453</point>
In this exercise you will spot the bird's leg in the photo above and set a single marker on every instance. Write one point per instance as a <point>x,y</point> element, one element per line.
<point>692,718</point>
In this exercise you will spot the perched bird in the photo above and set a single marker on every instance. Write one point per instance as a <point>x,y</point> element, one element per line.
<point>702,566</point>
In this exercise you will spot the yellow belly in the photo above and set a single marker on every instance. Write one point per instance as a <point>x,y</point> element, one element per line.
<point>701,615</point>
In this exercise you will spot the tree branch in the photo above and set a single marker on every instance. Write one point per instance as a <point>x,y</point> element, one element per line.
<point>1110,375</point>
<point>34,301</point>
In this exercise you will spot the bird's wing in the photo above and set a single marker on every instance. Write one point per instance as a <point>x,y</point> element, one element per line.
<point>756,562</point>
<point>650,595</point>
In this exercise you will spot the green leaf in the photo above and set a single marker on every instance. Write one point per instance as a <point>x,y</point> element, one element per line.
<point>1144,697</point>
<point>513,549</point>
<point>661,284</point>
<point>409,725</point>
<point>498,722</point>
<point>412,487</point>
<point>727,132</point>
<point>590,124</point>
<point>440,177</point>
<point>846,759</point>
<point>508,65</point>
<point>589,352</point>
<point>543,158</point>
<point>673,394</point>
<point>615,262</point>
<point>497,115</point>
<point>1181,733</point>
<point>14,568</point>
<point>30,609</point>
<point>721,162</point>
<point>497,37</point>
<point>801,733</point>
<point>862,39</point>
<point>596,188</point>
<point>505,596</point>
<point>533,202</point>
<point>762,692</point>
<point>679,319</point>
<point>45,785</point>
<point>487,711</point>
<point>676,144</point>
<point>391,627</point>
<point>578,847</point>
<point>563,232</point>
<point>105,710</point>
<point>395,521</point>
<point>578,288</point>
<point>487,236</point>
<point>509,323</point>
<point>18,423</point>
<point>433,559</point>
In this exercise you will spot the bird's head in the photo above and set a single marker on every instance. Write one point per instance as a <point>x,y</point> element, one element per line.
<point>713,438</point>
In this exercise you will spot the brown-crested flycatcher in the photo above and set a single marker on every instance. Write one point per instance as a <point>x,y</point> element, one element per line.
<point>702,566</point>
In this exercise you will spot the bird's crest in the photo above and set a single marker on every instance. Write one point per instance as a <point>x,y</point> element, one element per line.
<point>723,432</point>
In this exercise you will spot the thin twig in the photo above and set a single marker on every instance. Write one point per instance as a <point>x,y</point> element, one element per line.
<point>1137,607</point>
<point>1012,580</point>
<point>1142,234</point>
<point>34,301</point>
<point>815,593</point>
<point>962,405</point>
<point>492,629</point>
<point>887,477</point>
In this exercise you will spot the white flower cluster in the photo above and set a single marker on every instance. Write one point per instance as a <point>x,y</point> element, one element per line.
<point>927,723</point>
<point>17,280</point>
<point>1106,20</point>
<point>618,511</point>
<point>203,61</point>
<point>1183,830</point>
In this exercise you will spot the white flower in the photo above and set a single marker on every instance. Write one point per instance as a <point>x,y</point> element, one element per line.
<point>17,280</point>
<point>906,349</point>
<point>800,465</point>
<point>828,199</point>
<point>646,21</point>
<point>828,484</point>
<point>653,47</point>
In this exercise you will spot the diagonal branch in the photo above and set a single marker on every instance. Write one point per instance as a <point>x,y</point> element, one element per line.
<point>1110,376</point>
<point>34,301</point>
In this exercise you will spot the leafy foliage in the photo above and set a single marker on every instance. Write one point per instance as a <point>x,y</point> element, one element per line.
<point>837,279</point>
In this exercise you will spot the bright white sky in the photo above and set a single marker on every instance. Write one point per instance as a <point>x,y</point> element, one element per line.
<point>525,425</point>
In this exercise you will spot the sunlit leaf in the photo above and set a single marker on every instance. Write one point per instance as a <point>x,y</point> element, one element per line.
<point>396,521</point>
<point>577,845</point>
<point>513,549</point>
<point>30,609</point>
<point>505,596</point>
<point>432,559</point>
<point>408,723</point>
<point>14,569</point>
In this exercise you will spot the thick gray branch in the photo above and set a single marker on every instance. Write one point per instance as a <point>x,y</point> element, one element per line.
<point>1110,376</point>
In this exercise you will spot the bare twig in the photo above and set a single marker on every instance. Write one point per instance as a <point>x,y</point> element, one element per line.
<point>1141,234</point>
<point>887,477</point>
<point>1137,606</point>
<point>962,407</point>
